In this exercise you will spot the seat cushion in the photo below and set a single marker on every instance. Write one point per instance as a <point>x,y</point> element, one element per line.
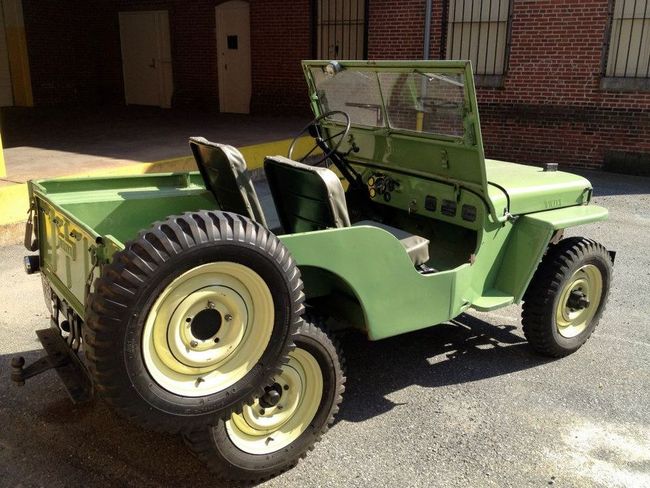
<point>417,247</point>
<point>307,198</point>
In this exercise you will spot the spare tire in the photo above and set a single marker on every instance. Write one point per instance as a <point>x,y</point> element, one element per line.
<point>193,318</point>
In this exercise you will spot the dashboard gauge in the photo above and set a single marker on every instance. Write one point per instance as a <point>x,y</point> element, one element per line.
<point>373,193</point>
<point>371,181</point>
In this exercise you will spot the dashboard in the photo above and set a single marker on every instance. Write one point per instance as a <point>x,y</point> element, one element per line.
<point>428,198</point>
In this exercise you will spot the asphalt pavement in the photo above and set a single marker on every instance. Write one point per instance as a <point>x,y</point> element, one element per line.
<point>465,403</point>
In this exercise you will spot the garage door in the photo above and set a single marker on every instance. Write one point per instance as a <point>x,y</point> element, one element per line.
<point>6,94</point>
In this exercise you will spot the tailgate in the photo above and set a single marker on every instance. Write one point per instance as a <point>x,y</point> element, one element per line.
<point>66,251</point>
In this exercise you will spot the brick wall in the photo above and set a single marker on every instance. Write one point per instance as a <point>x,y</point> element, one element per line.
<point>395,32</point>
<point>551,107</point>
<point>280,38</point>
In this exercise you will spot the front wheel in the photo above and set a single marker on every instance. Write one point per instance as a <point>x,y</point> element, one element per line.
<point>566,296</point>
<point>278,428</point>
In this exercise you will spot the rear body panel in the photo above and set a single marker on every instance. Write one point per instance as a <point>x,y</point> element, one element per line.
<point>81,222</point>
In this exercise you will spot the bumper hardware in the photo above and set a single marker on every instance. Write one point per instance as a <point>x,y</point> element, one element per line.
<point>60,357</point>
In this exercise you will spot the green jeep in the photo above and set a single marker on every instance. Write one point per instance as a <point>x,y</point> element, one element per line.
<point>195,316</point>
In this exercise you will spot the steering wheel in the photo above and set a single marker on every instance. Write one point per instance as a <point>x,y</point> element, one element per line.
<point>314,129</point>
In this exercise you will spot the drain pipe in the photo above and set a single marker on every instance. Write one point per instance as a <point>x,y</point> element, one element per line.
<point>427,27</point>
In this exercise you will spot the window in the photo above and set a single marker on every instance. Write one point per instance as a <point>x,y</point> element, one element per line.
<point>478,30</point>
<point>340,29</point>
<point>629,42</point>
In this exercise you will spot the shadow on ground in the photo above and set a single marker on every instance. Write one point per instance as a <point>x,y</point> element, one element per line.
<point>135,132</point>
<point>44,429</point>
<point>463,350</point>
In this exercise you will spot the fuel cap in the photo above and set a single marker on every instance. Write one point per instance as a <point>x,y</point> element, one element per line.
<point>550,166</point>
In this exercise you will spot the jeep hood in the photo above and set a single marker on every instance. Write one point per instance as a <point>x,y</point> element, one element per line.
<point>531,189</point>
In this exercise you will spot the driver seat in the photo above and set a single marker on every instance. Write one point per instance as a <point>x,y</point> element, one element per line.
<point>310,198</point>
<point>224,173</point>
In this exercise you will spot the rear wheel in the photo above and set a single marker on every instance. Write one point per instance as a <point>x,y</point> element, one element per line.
<point>192,319</point>
<point>270,435</point>
<point>566,296</point>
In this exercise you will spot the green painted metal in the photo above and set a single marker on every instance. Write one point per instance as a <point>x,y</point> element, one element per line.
<point>562,218</point>
<point>85,219</point>
<point>457,160</point>
<point>531,189</point>
<point>484,259</point>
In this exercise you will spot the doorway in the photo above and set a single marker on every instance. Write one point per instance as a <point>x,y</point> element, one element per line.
<point>146,58</point>
<point>234,56</point>
<point>6,90</point>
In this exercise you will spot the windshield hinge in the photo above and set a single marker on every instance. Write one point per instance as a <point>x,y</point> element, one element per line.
<point>444,159</point>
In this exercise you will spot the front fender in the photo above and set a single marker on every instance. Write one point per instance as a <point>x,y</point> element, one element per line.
<point>529,240</point>
<point>561,218</point>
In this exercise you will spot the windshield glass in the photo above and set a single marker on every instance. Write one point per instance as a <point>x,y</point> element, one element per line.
<point>419,102</point>
<point>424,102</point>
<point>353,92</point>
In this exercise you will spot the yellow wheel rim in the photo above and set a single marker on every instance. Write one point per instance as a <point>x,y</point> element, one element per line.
<point>262,428</point>
<point>207,329</point>
<point>579,301</point>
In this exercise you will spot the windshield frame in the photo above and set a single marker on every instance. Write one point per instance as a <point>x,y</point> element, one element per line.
<point>422,68</point>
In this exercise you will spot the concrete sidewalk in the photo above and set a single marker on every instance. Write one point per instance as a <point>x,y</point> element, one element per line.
<point>52,141</point>
<point>57,142</point>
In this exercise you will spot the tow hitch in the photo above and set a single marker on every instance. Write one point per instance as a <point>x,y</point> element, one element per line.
<point>60,357</point>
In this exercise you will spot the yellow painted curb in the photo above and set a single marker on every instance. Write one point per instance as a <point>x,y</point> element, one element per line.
<point>14,203</point>
<point>14,199</point>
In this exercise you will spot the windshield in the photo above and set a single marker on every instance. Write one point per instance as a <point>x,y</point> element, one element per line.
<point>431,103</point>
<point>354,92</point>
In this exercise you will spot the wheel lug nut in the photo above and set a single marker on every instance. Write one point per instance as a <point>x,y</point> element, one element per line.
<point>210,305</point>
<point>262,412</point>
<point>286,387</point>
<point>194,344</point>
<point>280,407</point>
<point>228,317</point>
<point>216,339</point>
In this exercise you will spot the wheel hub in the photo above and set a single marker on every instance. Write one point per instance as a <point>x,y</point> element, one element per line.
<point>285,409</point>
<point>206,324</point>
<point>272,396</point>
<point>578,301</point>
<point>208,329</point>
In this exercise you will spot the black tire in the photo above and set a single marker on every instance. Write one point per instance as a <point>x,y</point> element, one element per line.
<point>543,296</point>
<point>128,287</point>
<point>215,447</point>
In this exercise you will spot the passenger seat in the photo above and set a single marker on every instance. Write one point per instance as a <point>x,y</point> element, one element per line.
<point>310,198</point>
